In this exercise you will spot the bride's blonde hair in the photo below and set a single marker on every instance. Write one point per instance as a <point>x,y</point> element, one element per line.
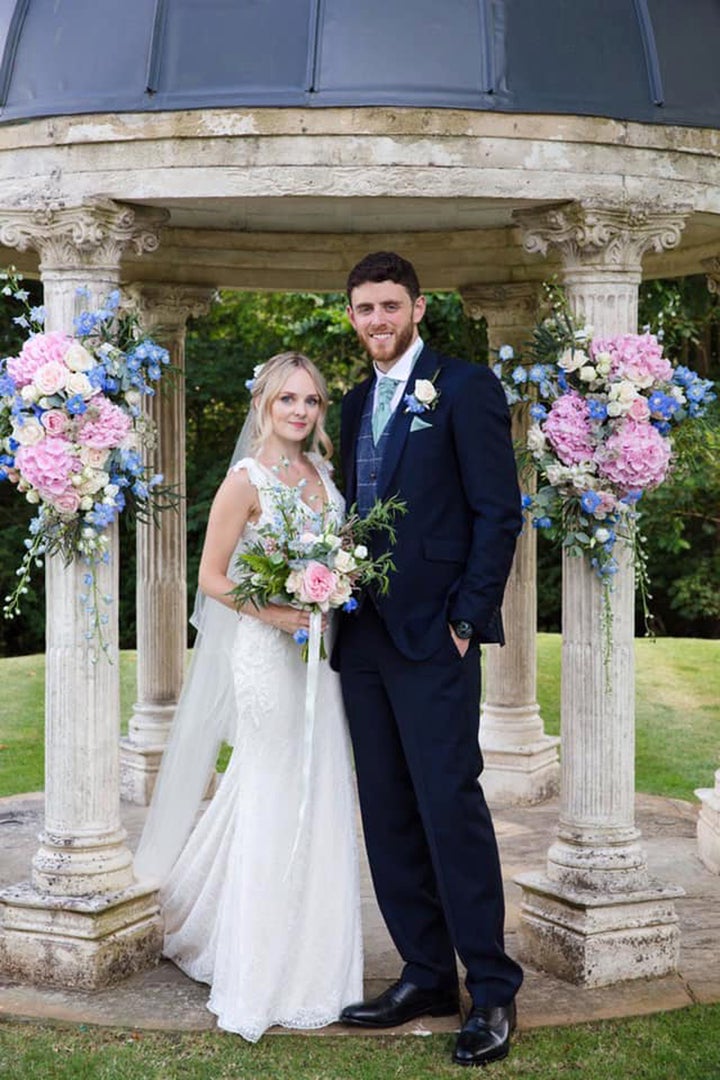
<point>267,386</point>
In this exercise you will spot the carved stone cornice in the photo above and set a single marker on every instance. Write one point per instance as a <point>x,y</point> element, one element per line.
<point>167,307</point>
<point>95,233</point>
<point>590,233</point>
<point>712,270</point>
<point>517,301</point>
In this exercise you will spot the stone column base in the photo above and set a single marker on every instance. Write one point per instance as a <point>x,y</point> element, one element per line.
<point>78,943</point>
<point>138,771</point>
<point>597,940</point>
<point>521,775</point>
<point>708,828</point>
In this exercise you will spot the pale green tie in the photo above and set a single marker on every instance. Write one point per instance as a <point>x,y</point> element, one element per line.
<point>385,393</point>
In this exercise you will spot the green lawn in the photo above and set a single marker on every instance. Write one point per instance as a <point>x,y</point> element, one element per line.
<point>677,728</point>
<point>682,1045</point>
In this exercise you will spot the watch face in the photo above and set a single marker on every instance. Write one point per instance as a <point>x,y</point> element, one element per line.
<point>463,629</point>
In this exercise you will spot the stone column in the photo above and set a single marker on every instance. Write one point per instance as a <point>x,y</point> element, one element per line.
<point>81,921</point>
<point>708,826</point>
<point>596,917</point>
<point>521,761</point>
<point>161,552</point>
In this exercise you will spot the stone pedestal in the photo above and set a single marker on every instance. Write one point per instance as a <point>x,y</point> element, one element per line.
<point>595,917</point>
<point>82,920</point>
<point>708,827</point>
<point>521,761</point>
<point>161,554</point>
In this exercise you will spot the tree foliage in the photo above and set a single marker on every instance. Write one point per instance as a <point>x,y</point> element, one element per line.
<point>243,329</point>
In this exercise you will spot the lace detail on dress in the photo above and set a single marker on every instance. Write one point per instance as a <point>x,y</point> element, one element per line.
<point>279,942</point>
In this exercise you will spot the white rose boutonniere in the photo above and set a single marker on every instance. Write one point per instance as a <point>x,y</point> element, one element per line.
<point>425,395</point>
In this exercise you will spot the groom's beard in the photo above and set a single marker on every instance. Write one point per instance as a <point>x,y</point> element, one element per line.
<point>387,352</point>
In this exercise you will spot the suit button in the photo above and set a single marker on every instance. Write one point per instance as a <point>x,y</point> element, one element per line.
<point>373,476</point>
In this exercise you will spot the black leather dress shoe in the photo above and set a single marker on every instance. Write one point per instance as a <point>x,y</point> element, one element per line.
<point>485,1035</point>
<point>401,1002</point>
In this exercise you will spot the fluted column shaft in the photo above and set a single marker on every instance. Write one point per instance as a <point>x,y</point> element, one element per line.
<point>597,917</point>
<point>161,591</point>
<point>59,929</point>
<point>708,826</point>
<point>521,761</point>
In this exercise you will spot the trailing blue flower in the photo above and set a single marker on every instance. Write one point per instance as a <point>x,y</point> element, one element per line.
<point>538,412</point>
<point>301,637</point>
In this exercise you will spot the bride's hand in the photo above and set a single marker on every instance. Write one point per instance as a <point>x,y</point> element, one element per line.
<point>285,618</point>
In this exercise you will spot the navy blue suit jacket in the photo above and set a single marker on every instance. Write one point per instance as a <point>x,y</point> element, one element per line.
<point>458,479</point>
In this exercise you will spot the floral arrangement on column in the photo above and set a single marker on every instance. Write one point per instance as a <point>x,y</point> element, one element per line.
<point>74,437</point>
<point>602,412</point>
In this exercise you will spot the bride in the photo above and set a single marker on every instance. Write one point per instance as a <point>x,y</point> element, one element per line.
<point>261,899</point>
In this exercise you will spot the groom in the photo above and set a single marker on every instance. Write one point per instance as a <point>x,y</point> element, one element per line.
<point>435,431</point>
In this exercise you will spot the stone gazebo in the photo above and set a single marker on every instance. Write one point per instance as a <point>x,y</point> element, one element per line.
<point>174,148</point>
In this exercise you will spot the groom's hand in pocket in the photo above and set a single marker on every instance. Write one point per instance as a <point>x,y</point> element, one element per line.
<point>461,645</point>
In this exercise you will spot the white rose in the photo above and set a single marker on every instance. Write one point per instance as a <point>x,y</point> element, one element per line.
<point>77,358</point>
<point>93,456</point>
<point>133,398</point>
<point>344,562</point>
<point>341,593</point>
<point>111,490</point>
<point>360,552</point>
<point>51,378</point>
<point>86,502</point>
<point>556,474</point>
<point>331,541</point>
<point>131,441</point>
<point>536,441</point>
<point>424,391</point>
<point>615,408</point>
<point>294,581</point>
<point>602,535</point>
<point>572,359</point>
<point>32,496</point>
<point>587,373</point>
<point>89,481</point>
<point>603,363</point>
<point>79,384</point>
<point>30,394</point>
<point>30,433</point>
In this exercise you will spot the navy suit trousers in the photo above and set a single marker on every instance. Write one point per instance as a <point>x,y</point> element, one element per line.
<point>429,835</point>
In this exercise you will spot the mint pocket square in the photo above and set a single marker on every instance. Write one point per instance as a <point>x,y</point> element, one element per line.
<point>418,424</point>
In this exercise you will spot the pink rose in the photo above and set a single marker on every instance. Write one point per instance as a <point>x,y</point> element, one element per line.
<point>639,410</point>
<point>37,351</point>
<point>104,425</point>
<point>318,584</point>
<point>51,377</point>
<point>54,421</point>
<point>67,503</point>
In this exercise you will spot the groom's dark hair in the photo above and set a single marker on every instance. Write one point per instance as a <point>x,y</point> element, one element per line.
<point>384,266</point>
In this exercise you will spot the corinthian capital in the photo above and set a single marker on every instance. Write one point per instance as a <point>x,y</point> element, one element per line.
<point>167,307</point>
<point>712,270</point>
<point>93,234</point>
<point>614,237</point>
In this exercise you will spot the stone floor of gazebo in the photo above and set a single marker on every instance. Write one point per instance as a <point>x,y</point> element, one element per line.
<point>164,998</point>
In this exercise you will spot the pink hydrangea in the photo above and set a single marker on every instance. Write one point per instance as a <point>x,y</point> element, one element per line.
<point>635,457</point>
<point>636,357</point>
<point>567,429</point>
<point>39,350</point>
<point>104,425</point>
<point>48,466</point>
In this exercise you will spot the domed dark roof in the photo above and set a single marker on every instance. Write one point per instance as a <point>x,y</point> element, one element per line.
<point>647,60</point>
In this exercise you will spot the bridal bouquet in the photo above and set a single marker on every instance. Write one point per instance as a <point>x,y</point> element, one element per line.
<point>72,435</point>
<point>315,569</point>
<point>602,413</point>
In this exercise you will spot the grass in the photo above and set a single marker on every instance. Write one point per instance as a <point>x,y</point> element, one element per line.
<point>681,1045</point>
<point>677,713</point>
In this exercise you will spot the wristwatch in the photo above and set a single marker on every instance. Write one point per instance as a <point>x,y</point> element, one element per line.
<point>463,629</point>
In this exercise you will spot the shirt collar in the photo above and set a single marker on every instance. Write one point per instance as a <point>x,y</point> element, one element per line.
<point>402,368</point>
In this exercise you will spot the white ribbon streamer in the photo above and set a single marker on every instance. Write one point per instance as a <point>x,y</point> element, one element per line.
<point>311,688</point>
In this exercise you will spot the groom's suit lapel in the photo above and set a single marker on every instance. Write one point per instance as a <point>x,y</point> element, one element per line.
<point>425,367</point>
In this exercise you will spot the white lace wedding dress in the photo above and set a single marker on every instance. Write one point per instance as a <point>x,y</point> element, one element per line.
<point>262,905</point>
